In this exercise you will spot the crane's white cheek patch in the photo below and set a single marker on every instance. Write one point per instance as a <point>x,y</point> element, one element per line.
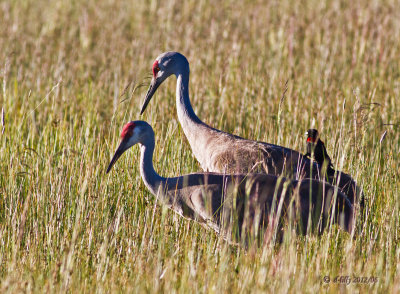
<point>135,137</point>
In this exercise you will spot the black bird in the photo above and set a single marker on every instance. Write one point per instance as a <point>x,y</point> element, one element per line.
<point>316,151</point>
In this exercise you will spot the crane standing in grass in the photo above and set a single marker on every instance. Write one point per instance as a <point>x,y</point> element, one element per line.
<point>218,151</point>
<point>238,206</point>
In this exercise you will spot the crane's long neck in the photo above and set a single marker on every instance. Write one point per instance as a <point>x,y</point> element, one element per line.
<point>185,110</point>
<point>152,180</point>
<point>197,132</point>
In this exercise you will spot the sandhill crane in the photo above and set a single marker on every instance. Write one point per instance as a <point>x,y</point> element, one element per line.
<point>218,151</point>
<point>316,151</point>
<point>234,204</point>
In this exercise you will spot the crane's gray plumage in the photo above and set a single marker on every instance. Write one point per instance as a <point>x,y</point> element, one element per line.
<point>218,151</point>
<point>219,201</point>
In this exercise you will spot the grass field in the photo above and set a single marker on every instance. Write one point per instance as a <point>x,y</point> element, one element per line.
<point>73,72</point>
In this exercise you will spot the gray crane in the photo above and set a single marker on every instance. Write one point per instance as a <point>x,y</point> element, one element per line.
<point>218,151</point>
<point>239,206</point>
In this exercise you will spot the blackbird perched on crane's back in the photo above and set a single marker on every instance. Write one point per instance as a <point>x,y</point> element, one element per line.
<point>316,151</point>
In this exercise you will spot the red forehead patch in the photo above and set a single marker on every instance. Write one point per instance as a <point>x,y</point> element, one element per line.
<point>155,68</point>
<point>127,130</point>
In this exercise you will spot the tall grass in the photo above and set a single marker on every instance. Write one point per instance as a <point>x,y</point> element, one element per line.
<point>66,226</point>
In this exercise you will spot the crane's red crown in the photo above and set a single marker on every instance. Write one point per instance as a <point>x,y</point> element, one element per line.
<point>155,69</point>
<point>127,130</point>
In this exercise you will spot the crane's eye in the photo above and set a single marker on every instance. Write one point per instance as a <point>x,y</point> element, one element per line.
<point>156,68</point>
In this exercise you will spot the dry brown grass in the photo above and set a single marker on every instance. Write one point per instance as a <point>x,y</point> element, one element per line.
<point>65,226</point>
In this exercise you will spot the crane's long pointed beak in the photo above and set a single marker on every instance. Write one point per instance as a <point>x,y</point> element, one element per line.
<point>150,92</point>
<point>120,150</point>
